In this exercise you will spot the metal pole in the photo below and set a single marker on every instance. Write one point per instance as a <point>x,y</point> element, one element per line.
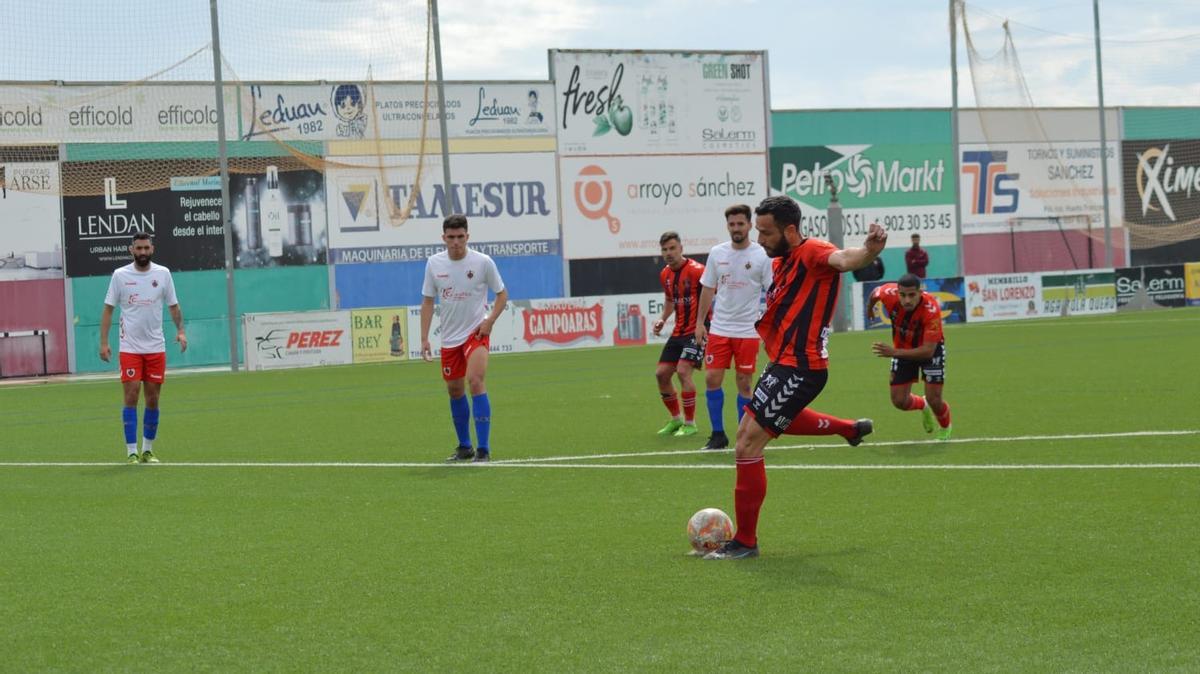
<point>837,236</point>
<point>441,89</point>
<point>223,154</point>
<point>1108,252</point>
<point>958,226</point>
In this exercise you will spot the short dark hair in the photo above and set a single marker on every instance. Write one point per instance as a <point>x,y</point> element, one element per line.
<point>916,235</point>
<point>782,208</point>
<point>454,221</point>
<point>140,236</point>
<point>667,236</point>
<point>738,209</point>
<point>909,281</point>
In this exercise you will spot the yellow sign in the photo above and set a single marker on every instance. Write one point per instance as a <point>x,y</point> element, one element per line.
<point>380,335</point>
<point>1191,272</point>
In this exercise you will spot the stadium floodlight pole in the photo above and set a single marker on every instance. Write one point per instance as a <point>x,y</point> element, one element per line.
<point>958,226</point>
<point>223,154</point>
<point>441,89</point>
<point>1108,252</point>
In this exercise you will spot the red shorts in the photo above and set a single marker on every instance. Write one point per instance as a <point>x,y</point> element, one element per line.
<point>720,351</point>
<point>454,359</point>
<point>151,367</point>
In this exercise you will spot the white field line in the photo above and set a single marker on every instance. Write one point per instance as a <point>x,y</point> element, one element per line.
<point>866,444</point>
<point>624,466</point>
<point>568,461</point>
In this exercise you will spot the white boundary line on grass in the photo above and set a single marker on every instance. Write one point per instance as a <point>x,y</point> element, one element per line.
<point>868,444</point>
<point>618,466</point>
<point>568,461</point>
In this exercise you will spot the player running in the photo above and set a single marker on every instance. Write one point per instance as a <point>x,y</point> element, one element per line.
<point>141,288</point>
<point>737,273</point>
<point>795,330</point>
<point>462,277</point>
<point>917,345</point>
<point>680,281</point>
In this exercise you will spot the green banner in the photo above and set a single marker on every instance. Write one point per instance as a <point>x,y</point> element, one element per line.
<point>866,176</point>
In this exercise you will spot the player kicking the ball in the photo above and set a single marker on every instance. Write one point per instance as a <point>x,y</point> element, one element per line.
<point>918,345</point>
<point>795,330</point>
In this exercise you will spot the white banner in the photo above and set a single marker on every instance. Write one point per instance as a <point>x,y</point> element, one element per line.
<point>620,206</point>
<point>114,114</point>
<point>640,102</point>
<point>30,221</point>
<point>508,198</point>
<point>341,111</point>
<point>306,339</point>
<point>1004,181</point>
<point>997,297</point>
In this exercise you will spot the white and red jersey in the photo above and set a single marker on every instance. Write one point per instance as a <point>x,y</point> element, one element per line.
<point>739,277</point>
<point>141,295</point>
<point>461,286</point>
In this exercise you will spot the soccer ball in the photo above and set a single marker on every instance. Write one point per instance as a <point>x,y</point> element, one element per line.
<point>708,529</point>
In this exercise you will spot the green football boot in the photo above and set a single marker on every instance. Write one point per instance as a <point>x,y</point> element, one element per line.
<point>944,434</point>
<point>672,426</point>
<point>686,430</point>
<point>927,418</point>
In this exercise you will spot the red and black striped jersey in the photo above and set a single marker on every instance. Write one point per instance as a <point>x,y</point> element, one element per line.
<point>800,303</point>
<point>682,287</point>
<point>910,329</point>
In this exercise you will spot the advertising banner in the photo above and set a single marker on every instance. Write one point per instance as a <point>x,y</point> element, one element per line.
<point>1163,285</point>
<point>1191,273</point>
<point>184,218</point>
<point>1003,181</point>
<point>906,188</point>
<point>1079,293</point>
<point>620,206</point>
<point>307,339</point>
<point>1162,198</point>
<point>661,103</point>
<point>278,217</point>
<point>91,114</point>
<point>341,111</point>
<point>948,291</point>
<point>30,222</point>
<point>998,297</point>
<point>380,335</point>
<point>510,200</point>
<point>565,323</point>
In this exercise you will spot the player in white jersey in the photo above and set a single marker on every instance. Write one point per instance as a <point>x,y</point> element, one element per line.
<point>141,289</point>
<point>461,278</point>
<point>737,272</point>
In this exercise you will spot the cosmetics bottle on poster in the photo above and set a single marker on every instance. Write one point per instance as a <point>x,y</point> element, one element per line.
<point>274,213</point>
<point>253,216</point>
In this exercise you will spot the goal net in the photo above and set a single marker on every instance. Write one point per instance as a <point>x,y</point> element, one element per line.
<point>115,113</point>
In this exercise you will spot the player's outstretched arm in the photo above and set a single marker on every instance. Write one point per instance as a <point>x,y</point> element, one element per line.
<point>853,259</point>
<point>920,354</point>
<point>426,323</point>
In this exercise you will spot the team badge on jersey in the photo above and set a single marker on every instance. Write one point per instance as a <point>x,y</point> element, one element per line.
<point>748,265</point>
<point>470,274</point>
<point>154,284</point>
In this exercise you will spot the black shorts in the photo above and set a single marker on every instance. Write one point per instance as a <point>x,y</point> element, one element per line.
<point>781,393</point>
<point>682,348</point>
<point>932,371</point>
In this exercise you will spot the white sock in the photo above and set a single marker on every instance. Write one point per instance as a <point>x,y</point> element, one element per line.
<point>131,447</point>
<point>147,445</point>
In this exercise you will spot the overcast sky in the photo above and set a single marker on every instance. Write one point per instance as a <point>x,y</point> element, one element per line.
<point>847,54</point>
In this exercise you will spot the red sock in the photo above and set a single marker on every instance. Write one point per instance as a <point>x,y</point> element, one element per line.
<point>944,417</point>
<point>689,406</point>
<point>671,402</point>
<point>916,403</point>
<point>809,422</point>
<point>748,495</point>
